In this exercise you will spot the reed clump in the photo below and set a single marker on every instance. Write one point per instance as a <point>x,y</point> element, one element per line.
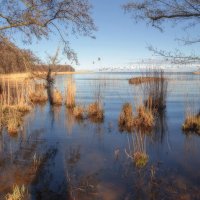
<point>140,159</point>
<point>156,91</point>
<point>79,112</point>
<point>18,193</point>
<point>192,124</point>
<point>142,119</point>
<point>70,93</point>
<point>23,108</point>
<point>95,112</point>
<point>12,120</point>
<point>57,97</point>
<point>126,118</point>
<point>39,94</point>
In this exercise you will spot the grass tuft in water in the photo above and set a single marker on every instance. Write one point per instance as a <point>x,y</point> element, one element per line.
<point>57,97</point>
<point>192,124</point>
<point>143,119</point>
<point>70,93</point>
<point>78,112</point>
<point>140,159</point>
<point>95,112</point>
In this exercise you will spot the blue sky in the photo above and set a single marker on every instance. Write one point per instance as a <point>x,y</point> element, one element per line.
<point>119,40</point>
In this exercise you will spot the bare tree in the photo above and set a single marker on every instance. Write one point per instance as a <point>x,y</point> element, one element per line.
<point>42,18</point>
<point>156,12</point>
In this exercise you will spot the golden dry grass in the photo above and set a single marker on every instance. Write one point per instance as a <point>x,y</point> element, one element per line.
<point>38,95</point>
<point>13,120</point>
<point>126,118</point>
<point>70,93</point>
<point>142,120</point>
<point>95,112</point>
<point>192,124</point>
<point>18,193</point>
<point>57,97</point>
<point>78,112</point>
<point>140,159</point>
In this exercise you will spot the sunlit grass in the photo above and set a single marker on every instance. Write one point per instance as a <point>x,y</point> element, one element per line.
<point>18,193</point>
<point>70,93</point>
<point>57,97</point>
<point>192,124</point>
<point>142,119</point>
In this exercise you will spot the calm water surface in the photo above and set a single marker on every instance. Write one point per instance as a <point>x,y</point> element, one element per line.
<point>87,161</point>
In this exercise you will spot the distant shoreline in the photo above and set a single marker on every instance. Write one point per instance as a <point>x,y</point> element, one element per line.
<point>16,76</point>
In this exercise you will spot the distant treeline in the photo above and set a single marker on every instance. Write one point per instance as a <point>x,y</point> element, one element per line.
<point>55,68</point>
<point>14,59</point>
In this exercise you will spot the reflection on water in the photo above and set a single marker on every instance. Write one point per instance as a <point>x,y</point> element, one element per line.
<point>57,157</point>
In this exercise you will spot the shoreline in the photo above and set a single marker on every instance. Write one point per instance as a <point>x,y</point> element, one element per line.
<point>24,75</point>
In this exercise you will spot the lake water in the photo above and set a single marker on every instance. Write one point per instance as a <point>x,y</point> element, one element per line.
<point>88,161</point>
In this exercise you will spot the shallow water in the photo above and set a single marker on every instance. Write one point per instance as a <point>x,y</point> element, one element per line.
<point>85,160</point>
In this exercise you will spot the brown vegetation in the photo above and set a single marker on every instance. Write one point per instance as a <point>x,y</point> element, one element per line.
<point>140,159</point>
<point>192,124</point>
<point>57,97</point>
<point>140,80</point>
<point>143,119</point>
<point>14,59</point>
<point>95,112</point>
<point>39,94</point>
<point>78,112</point>
<point>126,118</point>
<point>155,90</point>
<point>70,93</point>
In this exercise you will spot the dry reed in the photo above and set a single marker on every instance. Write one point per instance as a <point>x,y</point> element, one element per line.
<point>143,119</point>
<point>192,124</point>
<point>78,112</point>
<point>18,193</point>
<point>95,112</point>
<point>57,97</point>
<point>70,93</point>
